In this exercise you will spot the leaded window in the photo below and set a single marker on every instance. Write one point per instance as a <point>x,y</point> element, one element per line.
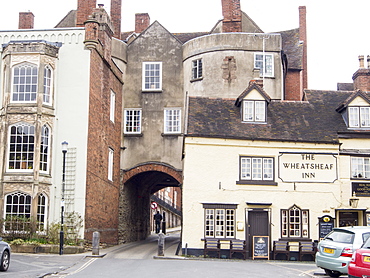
<point>21,147</point>
<point>219,221</point>
<point>294,223</point>
<point>47,85</point>
<point>41,212</point>
<point>44,149</point>
<point>24,83</point>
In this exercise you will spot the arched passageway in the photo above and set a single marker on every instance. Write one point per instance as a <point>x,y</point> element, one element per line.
<point>138,184</point>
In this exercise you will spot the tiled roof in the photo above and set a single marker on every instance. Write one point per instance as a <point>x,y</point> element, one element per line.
<point>184,37</point>
<point>314,120</point>
<point>292,48</point>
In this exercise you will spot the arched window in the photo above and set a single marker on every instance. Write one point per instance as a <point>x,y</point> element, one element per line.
<point>47,85</point>
<point>294,222</point>
<point>41,212</point>
<point>44,149</point>
<point>21,147</point>
<point>17,210</point>
<point>24,83</point>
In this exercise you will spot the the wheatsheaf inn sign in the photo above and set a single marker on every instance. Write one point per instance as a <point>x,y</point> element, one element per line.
<point>307,167</point>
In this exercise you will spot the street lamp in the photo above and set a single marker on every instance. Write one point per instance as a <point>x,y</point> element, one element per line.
<point>353,201</point>
<point>61,236</point>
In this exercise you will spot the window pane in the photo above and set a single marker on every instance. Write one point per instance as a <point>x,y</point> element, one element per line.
<point>267,168</point>
<point>257,168</point>
<point>220,222</point>
<point>260,111</point>
<point>353,117</point>
<point>44,149</point>
<point>248,111</point>
<point>365,117</point>
<point>172,121</point>
<point>245,168</point>
<point>132,121</point>
<point>24,83</point>
<point>152,76</point>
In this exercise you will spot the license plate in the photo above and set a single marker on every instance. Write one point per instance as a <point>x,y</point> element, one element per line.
<point>367,259</point>
<point>329,250</point>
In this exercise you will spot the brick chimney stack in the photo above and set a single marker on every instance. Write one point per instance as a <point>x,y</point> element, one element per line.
<point>26,20</point>
<point>232,14</point>
<point>84,9</point>
<point>303,39</point>
<point>142,21</point>
<point>361,78</point>
<point>116,17</point>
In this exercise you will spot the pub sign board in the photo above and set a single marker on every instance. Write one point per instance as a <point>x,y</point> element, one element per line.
<point>326,224</point>
<point>361,189</point>
<point>261,247</point>
<point>308,167</point>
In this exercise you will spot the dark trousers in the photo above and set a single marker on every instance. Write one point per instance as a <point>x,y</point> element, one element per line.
<point>157,226</point>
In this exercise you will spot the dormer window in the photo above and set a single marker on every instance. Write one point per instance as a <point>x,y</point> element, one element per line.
<point>254,111</point>
<point>359,116</point>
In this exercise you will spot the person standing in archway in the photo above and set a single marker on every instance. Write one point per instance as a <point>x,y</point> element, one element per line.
<point>157,219</point>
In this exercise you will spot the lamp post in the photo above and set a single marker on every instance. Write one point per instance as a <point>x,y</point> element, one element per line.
<point>353,201</point>
<point>61,235</point>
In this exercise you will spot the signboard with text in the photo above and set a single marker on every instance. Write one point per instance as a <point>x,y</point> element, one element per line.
<point>261,247</point>
<point>362,189</point>
<point>308,167</point>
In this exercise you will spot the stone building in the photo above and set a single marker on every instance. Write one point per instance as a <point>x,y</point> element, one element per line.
<point>124,103</point>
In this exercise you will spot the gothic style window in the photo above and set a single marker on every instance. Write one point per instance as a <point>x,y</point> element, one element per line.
<point>47,85</point>
<point>17,205</point>
<point>294,223</point>
<point>152,76</point>
<point>44,149</point>
<point>24,83</point>
<point>172,120</point>
<point>41,212</point>
<point>132,124</point>
<point>21,147</point>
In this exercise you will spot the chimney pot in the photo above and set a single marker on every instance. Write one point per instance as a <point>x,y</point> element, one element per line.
<point>361,61</point>
<point>101,6</point>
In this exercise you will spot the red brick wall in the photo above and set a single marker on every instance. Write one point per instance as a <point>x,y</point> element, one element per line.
<point>84,9</point>
<point>232,14</point>
<point>293,86</point>
<point>142,21</point>
<point>115,14</point>
<point>102,195</point>
<point>361,79</point>
<point>26,20</point>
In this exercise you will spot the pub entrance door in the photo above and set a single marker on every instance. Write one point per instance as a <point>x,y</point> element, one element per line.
<point>258,224</point>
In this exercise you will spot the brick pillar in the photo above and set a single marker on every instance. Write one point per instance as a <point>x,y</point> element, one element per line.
<point>303,39</point>
<point>116,17</point>
<point>232,14</point>
<point>142,21</point>
<point>84,9</point>
<point>26,20</point>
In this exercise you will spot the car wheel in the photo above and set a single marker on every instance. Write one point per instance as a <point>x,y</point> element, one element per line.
<point>332,273</point>
<point>4,263</point>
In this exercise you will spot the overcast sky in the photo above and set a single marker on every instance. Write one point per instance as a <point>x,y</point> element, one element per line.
<point>338,31</point>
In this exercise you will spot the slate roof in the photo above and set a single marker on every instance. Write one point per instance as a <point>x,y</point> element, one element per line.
<point>314,120</point>
<point>292,48</point>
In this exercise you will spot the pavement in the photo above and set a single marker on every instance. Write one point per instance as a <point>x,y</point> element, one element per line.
<point>61,266</point>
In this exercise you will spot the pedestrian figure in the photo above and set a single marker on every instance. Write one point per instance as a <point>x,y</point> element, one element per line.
<point>157,219</point>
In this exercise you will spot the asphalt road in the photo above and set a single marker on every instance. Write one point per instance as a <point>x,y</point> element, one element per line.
<point>140,260</point>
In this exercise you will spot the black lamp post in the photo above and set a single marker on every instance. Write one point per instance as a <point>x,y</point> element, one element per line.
<point>61,236</point>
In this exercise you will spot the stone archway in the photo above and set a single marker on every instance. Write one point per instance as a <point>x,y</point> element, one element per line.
<point>137,185</point>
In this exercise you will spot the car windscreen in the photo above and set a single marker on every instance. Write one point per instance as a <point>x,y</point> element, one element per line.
<point>366,238</point>
<point>340,236</point>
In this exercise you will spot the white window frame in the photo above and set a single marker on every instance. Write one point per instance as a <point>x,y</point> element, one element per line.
<point>256,168</point>
<point>132,121</point>
<point>21,208</point>
<point>254,111</point>
<point>220,223</point>
<point>265,63</point>
<point>48,85</point>
<point>112,105</point>
<point>45,149</point>
<point>20,158</point>
<point>42,202</point>
<point>197,69</point>
<point>294,222</point>
<point>359,116</point>
<point>172,120</point>
<point>152,76</point>
<point>360,167</point>
<point>24,86</point>
<point>110,164</point>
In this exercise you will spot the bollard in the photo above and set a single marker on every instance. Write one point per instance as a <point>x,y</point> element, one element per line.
<point>161,244</point>
<point>95,243</point>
